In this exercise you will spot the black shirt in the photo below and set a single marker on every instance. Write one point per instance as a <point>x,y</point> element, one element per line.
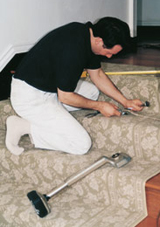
<point>59,58</point>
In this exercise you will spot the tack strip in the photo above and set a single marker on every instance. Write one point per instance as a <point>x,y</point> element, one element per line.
<point>84,74</point>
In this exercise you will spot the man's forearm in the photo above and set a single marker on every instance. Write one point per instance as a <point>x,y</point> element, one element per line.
<point>76,100</point>
<point>105,85</point>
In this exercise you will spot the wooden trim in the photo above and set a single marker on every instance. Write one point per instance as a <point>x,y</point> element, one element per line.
<point>153,203</point>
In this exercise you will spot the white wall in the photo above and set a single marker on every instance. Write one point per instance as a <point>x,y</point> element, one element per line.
<point>23,22</point>
<point>148,12</point>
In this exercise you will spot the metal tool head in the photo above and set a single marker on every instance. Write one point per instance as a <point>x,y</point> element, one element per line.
<point>123,112</point>
<point>119,159</point>
<point>147,104</point>
<point>39,203</point>
<point>92,114</point>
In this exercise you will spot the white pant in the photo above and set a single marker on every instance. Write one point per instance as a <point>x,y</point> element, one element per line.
<point>52,126</point>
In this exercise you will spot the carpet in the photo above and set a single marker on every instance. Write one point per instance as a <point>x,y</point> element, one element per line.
<point>108,197</point>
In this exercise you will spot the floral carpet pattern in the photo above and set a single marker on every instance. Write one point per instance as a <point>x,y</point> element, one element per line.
<point>108,197</point>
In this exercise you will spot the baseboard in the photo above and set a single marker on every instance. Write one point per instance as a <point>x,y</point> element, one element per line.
<point>11,51</point>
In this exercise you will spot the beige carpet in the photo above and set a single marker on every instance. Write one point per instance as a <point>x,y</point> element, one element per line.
<point>107,197</point>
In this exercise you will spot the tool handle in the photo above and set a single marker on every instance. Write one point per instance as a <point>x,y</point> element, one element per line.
<point>76,177</point>
<point>79,175</point>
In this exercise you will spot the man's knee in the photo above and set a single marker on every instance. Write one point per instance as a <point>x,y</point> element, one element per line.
<point>94,92</point>
<point>85,146</point>
<point>82,146</point>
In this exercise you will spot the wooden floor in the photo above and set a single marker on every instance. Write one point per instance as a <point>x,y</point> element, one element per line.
<point>143,56</point>
<point>147,52</point>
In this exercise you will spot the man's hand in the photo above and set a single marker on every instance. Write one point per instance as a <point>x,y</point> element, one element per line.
<point>74,99</point>
<point>134,104</point>
<point>105,85</point>
<point>108,109</point>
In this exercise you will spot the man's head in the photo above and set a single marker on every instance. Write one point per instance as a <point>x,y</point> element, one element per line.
<point>114,33</point>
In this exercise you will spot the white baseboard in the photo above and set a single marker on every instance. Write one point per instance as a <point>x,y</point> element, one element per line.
<point>11,51</point>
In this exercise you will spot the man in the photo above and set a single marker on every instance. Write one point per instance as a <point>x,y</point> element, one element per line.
<point>47,85</point>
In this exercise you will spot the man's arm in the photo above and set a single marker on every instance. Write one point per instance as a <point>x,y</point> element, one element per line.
<point>104,84</point>
<point>76,100</point>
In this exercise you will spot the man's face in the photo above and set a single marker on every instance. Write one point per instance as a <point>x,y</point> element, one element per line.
<point>104,51</point>
<point>99,48</point>
<point>110,52</point>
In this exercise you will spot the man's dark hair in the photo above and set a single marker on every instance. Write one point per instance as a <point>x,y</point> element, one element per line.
<point>113,32</point>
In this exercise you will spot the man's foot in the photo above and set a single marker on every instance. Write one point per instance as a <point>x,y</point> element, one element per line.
<point>16,127</point>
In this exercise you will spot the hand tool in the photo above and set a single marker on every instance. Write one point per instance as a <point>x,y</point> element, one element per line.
<point>39,201</point>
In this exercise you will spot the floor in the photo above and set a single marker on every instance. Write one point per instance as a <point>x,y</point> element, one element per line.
<point>147,52</point>
<point>144,56</point>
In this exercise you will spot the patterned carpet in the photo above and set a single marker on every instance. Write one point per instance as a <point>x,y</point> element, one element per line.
<point>108,197</point>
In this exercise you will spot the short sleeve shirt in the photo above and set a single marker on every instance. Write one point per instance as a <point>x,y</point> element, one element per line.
<point>59,58</point>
